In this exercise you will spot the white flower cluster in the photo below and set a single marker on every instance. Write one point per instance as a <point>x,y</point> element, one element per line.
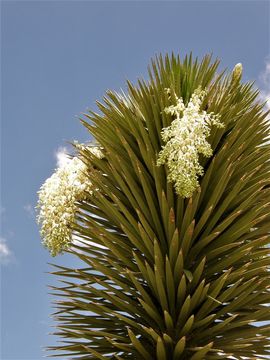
<point>57,202</point>
<point>184,140</point>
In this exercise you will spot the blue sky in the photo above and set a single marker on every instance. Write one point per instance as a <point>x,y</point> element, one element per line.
<point>58,57</point>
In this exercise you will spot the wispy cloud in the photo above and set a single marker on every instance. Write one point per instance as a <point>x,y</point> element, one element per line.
<point>62,157</point>
<point>5,252</point>
<point>264,80</point>
<point>29,209</point>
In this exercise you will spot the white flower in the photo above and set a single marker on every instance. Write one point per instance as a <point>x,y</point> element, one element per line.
<point>184,140</point>
<point>57,202</point>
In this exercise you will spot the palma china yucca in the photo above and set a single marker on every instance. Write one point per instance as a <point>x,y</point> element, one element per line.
<point>167,209</point>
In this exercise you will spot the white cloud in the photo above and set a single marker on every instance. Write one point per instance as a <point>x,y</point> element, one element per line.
<point>264,80</point>
<point>62,157</point>
<point>5,252</point>
<point>29,209</point>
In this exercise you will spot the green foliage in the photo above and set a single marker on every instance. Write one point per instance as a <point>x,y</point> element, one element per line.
<point>165,277</point>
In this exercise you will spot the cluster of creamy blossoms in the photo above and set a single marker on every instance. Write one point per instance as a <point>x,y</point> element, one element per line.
<point>184,140</point>
<point>57,202</point>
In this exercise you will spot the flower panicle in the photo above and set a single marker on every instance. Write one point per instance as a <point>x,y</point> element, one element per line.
<point>57,202</point>
<point>184,140</point>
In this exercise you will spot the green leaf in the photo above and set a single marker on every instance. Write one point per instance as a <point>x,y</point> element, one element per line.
<point>161,351</point>
<point>179,348</point>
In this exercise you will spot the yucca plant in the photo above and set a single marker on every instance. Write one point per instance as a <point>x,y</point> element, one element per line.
<point>169,215</point>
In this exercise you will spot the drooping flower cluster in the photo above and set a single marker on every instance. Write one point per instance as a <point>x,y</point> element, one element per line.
<point>57,202</point>
<point>184,140</point>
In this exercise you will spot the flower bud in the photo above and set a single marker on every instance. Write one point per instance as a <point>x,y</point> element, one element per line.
<point>237,72</point>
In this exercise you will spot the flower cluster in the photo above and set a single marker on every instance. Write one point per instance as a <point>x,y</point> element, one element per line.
<point>57,202</point>
<point>184,140</point>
